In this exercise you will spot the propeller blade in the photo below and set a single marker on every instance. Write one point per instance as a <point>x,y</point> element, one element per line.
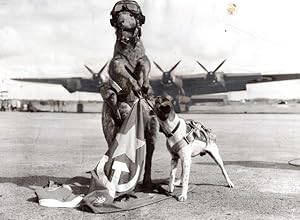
<point>102,68</point>
<point>158,67</point>
<point>219,66</point>
<point>174,66</point>
<point>202,66</point>
<point>91,71</point>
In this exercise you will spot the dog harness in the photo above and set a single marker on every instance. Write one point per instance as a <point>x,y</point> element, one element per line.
<point>193,132</point>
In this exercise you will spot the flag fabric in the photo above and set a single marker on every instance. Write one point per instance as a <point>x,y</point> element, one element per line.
<point>120,169</point>
<point>57,195</point>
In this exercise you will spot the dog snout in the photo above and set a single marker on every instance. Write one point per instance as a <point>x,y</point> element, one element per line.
<point>126,20</point>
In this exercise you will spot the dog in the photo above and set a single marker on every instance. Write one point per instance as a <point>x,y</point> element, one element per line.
<point>185,139</point>
<point>129,76</point>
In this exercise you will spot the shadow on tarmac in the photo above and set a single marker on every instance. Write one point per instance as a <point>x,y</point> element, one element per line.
<point>79,184</point>
<point>209,184</point>
<point>256,164</point>
<point>33,182</point>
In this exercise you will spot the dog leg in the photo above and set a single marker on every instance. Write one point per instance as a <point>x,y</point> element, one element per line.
<point>174,163</point>
<point>177,182</point>
<point>186,161</point>
<point>213,151</point>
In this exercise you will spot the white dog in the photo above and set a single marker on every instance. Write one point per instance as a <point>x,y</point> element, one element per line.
<point>185,139</point>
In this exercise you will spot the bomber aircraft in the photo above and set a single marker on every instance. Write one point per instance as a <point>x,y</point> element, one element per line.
<point>180,87</point>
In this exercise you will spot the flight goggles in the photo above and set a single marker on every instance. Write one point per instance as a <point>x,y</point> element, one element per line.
<point>130,6</point>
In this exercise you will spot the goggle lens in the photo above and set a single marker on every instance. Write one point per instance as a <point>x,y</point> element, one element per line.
<point>118,8</point>
<point>132,7</point>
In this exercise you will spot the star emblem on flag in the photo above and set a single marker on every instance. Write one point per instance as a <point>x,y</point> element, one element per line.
<point>126,140</point>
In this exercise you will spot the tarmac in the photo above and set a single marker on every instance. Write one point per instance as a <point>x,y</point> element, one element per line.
<point>256,149</point>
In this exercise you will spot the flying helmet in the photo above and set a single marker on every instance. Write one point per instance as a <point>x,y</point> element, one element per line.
<point>130,6</point>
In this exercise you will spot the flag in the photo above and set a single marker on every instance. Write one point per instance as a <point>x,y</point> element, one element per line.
<point>120,169</point>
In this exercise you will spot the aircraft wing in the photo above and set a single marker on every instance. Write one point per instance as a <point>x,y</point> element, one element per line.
<point>277,77</point>
<point>193,84</point>
<point>197,85</point>
<point>71,84</point>
<point>237,82</point>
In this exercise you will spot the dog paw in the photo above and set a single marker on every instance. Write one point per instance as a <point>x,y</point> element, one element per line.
<point>182,198</point>
<point>135,87</point>
<point>230,184</point>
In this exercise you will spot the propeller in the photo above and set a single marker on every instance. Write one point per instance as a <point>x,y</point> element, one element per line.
<point>158,67</point>
<point>91,71</point>
<point>212,76</point>
<point>219,66</point>
<point>101,70</point>
<point>171,70</point>
<point>96,75</point>
<point>167,77</point>
<point>170,79</point>
<point>203,67</point>
<point>174,66</point>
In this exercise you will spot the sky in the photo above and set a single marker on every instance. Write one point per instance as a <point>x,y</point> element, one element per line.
<point>54,38</point>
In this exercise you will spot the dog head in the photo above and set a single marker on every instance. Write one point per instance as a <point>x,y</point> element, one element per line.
<point>127,19</point>
<point>163,107</point>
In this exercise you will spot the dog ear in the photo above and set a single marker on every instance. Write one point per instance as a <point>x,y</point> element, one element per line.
<point>158,99</point>
<point>166,108</point>
<point>169,98</point>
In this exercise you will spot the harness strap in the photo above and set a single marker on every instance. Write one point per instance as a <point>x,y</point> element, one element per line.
<point>167,134</point>
<point>190,137</point>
